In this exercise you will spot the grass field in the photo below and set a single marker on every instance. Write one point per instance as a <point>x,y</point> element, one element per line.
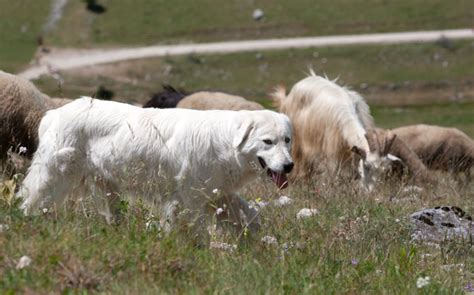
<point>150,21</point>
<point>358,243</point>
<point>144,22</point>
<point>20,24</point>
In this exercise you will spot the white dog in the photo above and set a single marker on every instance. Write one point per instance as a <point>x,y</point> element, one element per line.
<point>166,156</point>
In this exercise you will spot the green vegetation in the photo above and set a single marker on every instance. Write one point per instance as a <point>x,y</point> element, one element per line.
<point>151,21</point>
<point>459,115</point>
<point>20,25</point>
<point>358,243</point>
<point>145,22</point>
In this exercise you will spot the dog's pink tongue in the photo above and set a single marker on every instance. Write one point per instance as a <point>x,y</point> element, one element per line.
<point>280,179</point>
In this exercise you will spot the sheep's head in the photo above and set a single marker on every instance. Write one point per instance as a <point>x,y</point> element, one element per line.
<point>378,160</point>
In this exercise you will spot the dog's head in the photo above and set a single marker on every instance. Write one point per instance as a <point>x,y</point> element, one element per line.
<point>265,137</point>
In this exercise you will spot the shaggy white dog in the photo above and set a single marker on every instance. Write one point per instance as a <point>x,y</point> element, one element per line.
<point>169,157</point>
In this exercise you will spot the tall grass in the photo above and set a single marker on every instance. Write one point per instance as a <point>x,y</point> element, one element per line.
<point>358,243</point>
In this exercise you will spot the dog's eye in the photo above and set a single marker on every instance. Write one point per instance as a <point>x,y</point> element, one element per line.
<point>267,141</point>
<point>287,139</point>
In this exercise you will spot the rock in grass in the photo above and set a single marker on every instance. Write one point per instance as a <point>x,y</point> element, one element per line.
<point>24,261</point>
<point>283,201</point>
<point>440,224</point>
<point>306,213</point>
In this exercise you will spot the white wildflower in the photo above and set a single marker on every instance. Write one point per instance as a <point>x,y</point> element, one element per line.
<point>397,220</point>
<point>306,212</point>
<point>283,201</point>
<point>3,227</point>
<point>22,150</point>
<point>151,222</point>
<point>23,262</point>
<point>215,191</point>
<point>450,267</point>
<point>45,210</point>
<point>422,282</point>
<point>412,189</point>
<point>223,246</point>
<point>426,255</point>
<point>269,240</point>
<point>219,211</point>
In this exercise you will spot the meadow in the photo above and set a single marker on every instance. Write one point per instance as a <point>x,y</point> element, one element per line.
<point>358,243</point>
<point>146,22</point>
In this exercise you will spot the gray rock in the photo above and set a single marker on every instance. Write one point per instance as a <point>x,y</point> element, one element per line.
<point>441,224</point>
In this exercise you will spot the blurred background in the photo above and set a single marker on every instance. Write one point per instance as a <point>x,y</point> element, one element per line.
<point>404,83</point>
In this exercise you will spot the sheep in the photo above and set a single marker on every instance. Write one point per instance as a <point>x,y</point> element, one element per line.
<point>205,100</point>
<point>168,98</point>
<point>440,148</point>
<point>330,130</point>
<point>22,106</point>
<point>405,157</point>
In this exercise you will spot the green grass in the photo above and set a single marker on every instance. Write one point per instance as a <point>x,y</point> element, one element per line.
<point>459,115</point>
<point>76,251</point>
<point>150,22</point>
<point>144,22</point>
<point>20,25</point>
<point>355,245</point>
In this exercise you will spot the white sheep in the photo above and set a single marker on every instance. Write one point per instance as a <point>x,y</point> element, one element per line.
<point>205,100</point>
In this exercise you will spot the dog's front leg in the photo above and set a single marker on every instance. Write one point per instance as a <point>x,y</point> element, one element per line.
<point>112,199</point>
<point>238,213</point>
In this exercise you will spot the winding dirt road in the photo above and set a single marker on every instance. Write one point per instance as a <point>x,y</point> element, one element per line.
<point>65,59</point>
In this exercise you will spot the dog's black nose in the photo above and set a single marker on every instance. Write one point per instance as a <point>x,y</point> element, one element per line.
<point>288,167</point>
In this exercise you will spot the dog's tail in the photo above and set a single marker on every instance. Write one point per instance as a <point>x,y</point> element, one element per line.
<point>278,95</point>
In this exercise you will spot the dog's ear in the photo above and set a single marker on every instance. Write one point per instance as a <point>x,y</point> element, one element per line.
<point>242,134</point>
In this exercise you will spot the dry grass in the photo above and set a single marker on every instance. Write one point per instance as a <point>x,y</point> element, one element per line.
<point>358,243</point>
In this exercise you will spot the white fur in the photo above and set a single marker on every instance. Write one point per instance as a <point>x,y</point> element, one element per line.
<point>329,121</point>
<point>166,156</point>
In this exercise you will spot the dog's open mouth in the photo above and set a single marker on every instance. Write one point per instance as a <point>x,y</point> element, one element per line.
<point>279,178</point>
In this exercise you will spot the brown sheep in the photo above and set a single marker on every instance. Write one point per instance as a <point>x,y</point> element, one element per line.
<point>217,101</point>
<point>22,106</point>
<point>440,148</point>
<point>409,159</point>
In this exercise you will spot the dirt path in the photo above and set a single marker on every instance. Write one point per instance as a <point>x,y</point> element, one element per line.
<point>64,59</point>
